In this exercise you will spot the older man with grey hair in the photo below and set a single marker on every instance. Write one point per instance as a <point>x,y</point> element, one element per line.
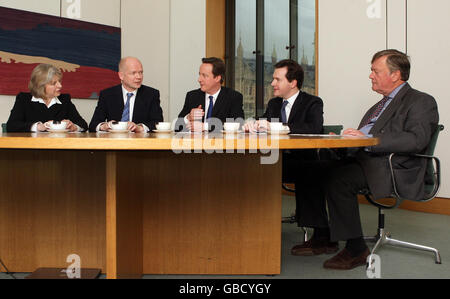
<point>130,102</point>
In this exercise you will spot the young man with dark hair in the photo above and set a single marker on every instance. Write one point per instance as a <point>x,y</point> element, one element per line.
<point>212,100</point>
<point>300,111</point>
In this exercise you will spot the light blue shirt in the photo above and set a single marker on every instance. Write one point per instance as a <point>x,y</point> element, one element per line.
<point>366,129</point>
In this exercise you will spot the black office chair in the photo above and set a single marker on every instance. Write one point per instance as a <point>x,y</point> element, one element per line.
<point>432,184</point>
<point>288,176</point>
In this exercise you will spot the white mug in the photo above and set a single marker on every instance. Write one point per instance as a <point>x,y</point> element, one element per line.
<point>276,126</point>
<point>56,125</point>
<point>231,127</point>
<point>163,126</point>
<point>119,126</point>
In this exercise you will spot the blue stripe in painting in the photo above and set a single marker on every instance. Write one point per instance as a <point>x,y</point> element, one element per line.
<point>83,47</point>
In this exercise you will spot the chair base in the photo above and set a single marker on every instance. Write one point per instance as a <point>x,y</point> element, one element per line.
<point>383,238</point>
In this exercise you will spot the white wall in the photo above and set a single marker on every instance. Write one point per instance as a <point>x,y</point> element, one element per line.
<point>168,36</point>
<point>145,34</point>
<point>429,46</point>
<point>347,40</point>
<point>187,48</point>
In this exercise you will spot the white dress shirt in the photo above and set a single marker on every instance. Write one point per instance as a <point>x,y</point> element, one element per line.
<point>290,104</point>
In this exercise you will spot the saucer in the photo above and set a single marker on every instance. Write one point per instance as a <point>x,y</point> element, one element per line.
<point>232,132</point>
<point>118,131</point>
<point>162,131</point>
<point>280,132</point>
<point>58,131</point>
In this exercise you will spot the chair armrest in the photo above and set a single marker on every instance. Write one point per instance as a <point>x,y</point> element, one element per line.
<point>436,174</point>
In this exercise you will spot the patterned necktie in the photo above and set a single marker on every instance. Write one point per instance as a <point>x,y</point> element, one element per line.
<point>283,112</point>
<point>377,111</point>
<point>210,108</point>
<point>126,109</point>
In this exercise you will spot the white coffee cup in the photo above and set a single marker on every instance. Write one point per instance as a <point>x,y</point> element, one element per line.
<point>163,126</point>
<point>231,127</point>
<point>59,126</point>
<point>119,126</point>
<point>276,126</point>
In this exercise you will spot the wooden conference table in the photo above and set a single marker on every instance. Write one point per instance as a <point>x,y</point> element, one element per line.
<point>133,204</point>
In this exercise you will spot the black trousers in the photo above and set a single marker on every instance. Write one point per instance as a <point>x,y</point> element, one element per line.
<point>332,184</point>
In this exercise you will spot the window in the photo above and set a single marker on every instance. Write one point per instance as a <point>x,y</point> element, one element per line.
<point>261,33</point>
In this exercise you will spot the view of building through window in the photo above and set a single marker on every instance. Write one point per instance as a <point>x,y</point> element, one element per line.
<point>287,29</point>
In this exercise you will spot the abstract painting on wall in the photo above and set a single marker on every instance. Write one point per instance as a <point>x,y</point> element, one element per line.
<point>87,53</point>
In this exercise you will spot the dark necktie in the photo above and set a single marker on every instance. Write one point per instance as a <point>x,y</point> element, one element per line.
<point>377,111</point>
<point>210,108</point>
<point>126,109</point>
<point>283,112</point>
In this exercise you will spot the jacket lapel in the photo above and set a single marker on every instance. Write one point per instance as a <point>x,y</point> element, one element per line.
<point>295,108</point>
<point>117,103</point>
<point>137,104</point>
<point>220,101</point>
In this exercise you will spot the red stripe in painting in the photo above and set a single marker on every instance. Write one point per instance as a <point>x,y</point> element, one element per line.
<point>14,78</point>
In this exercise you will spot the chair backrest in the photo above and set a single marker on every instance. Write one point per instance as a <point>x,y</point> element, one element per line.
<point>336,129</point>
<point>431,175</point>
<point>4,128</point>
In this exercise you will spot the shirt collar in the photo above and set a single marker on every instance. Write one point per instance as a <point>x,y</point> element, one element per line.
<point>396,91</point>
<point>292,99</point>
<point>125,92</point>
<point>214,95</point>
<point>52,102</point>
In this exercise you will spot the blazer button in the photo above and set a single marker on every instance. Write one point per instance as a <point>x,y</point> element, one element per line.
<point>382,131</point>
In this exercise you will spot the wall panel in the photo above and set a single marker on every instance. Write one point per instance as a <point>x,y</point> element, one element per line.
<point>145,34</point>
<point>428,46</point>
<point>348,38</point>
<point>187,48</point>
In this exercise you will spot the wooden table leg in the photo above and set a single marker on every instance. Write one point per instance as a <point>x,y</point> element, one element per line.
<point>123,217</point>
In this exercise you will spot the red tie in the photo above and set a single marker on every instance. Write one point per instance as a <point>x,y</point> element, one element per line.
<point>377,111</point>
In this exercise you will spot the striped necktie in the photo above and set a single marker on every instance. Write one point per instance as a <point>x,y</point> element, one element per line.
<point>126,109</point>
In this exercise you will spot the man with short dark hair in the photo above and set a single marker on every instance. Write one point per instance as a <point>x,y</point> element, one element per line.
<point>300,111</point>
<point>403,121</point>
<point>212,100</point>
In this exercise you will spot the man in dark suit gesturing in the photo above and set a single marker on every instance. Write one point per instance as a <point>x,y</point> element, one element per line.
<point>403,121</point>
<point>212,100</point>
<point>131,102</point>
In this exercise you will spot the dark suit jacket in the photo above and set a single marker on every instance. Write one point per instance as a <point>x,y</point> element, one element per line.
<point>306,114</point>
<point>228,105</point>
<point>147,109</point>
<point>25,113</point>
<point>404,127</point>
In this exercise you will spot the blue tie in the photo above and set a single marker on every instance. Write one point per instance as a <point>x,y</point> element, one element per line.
<point>210,108</point>
<point>283,112</point>
<point>126,109</point>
